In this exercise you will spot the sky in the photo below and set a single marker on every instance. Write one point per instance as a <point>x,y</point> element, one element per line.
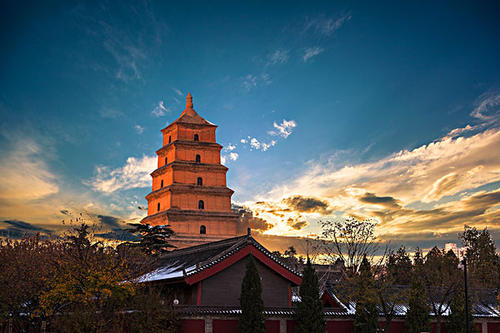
<point>379,110</point>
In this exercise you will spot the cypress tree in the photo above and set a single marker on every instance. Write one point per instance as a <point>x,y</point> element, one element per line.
<point>366,316</point>
<point>252,307</point>
<point>456,320</point>
<point>417,316</point>
<point>310,317</point>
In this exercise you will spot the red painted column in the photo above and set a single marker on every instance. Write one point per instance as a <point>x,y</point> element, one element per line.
<point>289,296</point>
<point>198,293</point>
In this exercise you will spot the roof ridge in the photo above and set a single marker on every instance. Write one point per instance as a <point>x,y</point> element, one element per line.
<point>192,249</point>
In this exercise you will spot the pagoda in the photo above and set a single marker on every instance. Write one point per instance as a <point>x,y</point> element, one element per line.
<point>189,191</point>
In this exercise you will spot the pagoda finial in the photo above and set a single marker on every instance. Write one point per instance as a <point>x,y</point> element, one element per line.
<point>189,101</point>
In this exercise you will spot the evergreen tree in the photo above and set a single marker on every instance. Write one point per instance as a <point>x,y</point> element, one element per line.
<point>456,320</point>
<point>418,314</point>
<point>152,239</point>
<point>252,307</point>
<point>366,316</point>
<point>310,318</point>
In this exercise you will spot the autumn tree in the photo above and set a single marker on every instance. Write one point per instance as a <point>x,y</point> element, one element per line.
<point>350,240</point>
<point>310,318</point>
<point>252,318</point>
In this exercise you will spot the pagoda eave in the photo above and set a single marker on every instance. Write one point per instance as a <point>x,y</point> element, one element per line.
<point>183,188</point>
<point>188,166</point>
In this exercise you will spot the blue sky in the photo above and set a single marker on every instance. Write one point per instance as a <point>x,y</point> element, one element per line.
<point>324,109</point>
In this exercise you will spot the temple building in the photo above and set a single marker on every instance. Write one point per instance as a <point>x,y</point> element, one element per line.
<point>189,186</point>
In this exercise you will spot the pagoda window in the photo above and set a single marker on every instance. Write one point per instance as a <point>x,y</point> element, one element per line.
<point>198,159</point>
<point>201,204</point>
<point>196,137</point>
<point>199,181</point>
<point>203,230</point>
<point>166,161</point>
<point>161,183</point>
<point>169,139</point>
<point>158,206</point>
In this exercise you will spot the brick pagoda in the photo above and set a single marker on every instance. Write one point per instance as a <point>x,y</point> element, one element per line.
<point>189,187</point>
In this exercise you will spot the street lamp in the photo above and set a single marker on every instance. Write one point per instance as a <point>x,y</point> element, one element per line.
<point>467,325</point>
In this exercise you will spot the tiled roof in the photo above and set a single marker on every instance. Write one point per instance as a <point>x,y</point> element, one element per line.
<point>192,260</point>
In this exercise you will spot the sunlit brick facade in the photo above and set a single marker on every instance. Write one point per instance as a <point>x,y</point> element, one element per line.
<point>189,186</point>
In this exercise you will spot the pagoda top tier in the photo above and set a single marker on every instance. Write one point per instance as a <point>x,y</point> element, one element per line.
<point>190,116</point>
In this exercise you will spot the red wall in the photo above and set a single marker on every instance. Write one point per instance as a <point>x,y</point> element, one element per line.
<point>272,326</point>
<point>224,326</point>
<point>339,326</point>
<point>493,328</point>
<point>192,326</point>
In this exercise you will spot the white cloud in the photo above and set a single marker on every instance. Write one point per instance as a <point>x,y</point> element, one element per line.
<point>488,108</point>
<point>278,57</point>
<point>139,129</point>
<point>233,156</point>
<point>326,26</point>
<point>178,92</point>
<point>230,147</point>
<point>134,174</point>
<point>159,110</point>
<point>243,140</point>
<point>284,129</point>
<point>262,146</point>
<point>223,159</point>
<point>251,81</point>
<point>110,113</point>
<point>311,52</point>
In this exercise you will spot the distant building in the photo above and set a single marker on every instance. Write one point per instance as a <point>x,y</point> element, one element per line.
<point>459,252</point>
<point>189,191</point>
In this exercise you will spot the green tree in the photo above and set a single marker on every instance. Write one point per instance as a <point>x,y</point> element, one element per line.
<point>481,257</point>
<point>252,318</point>
<point>456,320</point>
<point>366,316</point>
<point>310,317</point>
<point>152,239</point>
<point>418,314</point>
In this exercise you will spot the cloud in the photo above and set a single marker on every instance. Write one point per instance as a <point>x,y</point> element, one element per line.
<point>248,220</point>
<point>134,174</point>
<point>244,141</point>
<point>24,174</point>
<point>306,204</point>
<point>178,92</point>
<point>233,156</point>
<point>159,110</point>
<point>311,52</point>
<point>296,225</point>
<point>325,26</point>
<point>110,113</point>
<point>434,188</point>
<point>284,129</point>
<point>252,81</point>
<point>488,107</point>
<point>262,146</point>
<point>278,57</point>
<point>139,129</point>
<point>230,147</point>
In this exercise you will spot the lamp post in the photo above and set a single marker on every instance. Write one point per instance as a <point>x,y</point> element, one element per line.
<point>467,324</point>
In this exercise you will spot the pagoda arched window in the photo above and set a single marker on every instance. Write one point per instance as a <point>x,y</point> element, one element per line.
<point>201,204</point>
<point>158,206</point>
<point>199,181</point>
<point>161,183</point>
<point>198,159</point>
<point>203,230</point>
<point>166,161</point>
<point>196,137</point>
<point>169,139</point>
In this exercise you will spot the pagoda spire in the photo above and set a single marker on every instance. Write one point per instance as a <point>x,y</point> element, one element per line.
<point>189,101</point>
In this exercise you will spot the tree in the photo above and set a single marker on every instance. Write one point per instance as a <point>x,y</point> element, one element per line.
<point>252,307</point>
<point>482,260</point>
<point>442,278</point>
<point>456,320</point>
<point>350,240</point>
<point>310,317</point>
<point>366,316</point>
<point>152,239</point>
<point>418,313</point>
